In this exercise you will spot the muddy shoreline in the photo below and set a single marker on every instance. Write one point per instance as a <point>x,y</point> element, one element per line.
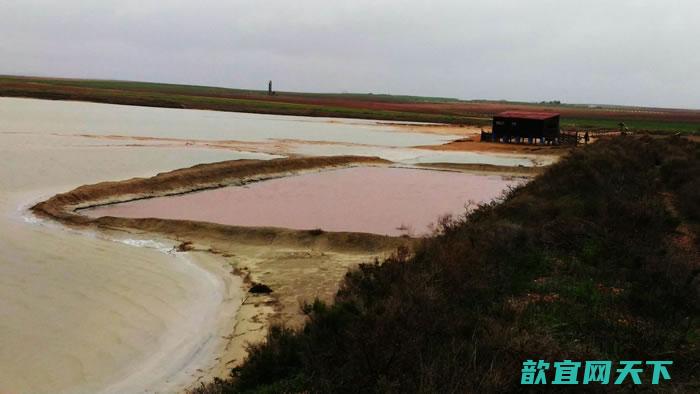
<point>491,169</point>
<point>299,265</point>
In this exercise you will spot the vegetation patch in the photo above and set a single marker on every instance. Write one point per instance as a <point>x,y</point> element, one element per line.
<point>346,105</point>
<point>583,263</point>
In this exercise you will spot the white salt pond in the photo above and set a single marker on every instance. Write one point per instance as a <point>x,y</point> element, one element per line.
<point>30,115</point>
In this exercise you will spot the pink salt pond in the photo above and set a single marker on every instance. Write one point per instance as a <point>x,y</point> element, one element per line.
<point>380,200</point>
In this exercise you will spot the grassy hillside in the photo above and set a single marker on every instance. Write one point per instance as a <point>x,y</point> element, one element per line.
<point>349,105</point>
<point>223,99</point>
<point>597,259</point>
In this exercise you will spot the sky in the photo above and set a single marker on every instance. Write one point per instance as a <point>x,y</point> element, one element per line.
<point>595,51</point>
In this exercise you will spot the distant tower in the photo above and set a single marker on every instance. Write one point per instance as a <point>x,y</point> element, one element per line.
<point>269,88</point>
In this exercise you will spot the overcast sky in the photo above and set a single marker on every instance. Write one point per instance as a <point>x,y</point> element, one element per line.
<point>594,51</point>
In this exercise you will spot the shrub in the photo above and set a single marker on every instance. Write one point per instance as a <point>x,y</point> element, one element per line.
<point>578,264</point>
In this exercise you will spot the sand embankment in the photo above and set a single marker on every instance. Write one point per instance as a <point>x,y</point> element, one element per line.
<point>472,144</point>
<point>519,171</point>
<point>62,206</point>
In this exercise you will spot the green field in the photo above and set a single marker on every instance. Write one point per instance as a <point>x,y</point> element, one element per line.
<point>212,98</point>
<point>343,105</point>
<point>640,125</point>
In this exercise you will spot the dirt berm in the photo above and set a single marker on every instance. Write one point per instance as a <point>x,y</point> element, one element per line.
<point>65,207</point>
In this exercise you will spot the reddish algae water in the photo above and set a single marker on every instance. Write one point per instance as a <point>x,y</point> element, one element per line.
<point>377,200</point>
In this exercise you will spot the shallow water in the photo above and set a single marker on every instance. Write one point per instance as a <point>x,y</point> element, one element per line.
<point>84,314</point>
<point>29,115</point>
<point>422,156</point>
<point>389,201</point>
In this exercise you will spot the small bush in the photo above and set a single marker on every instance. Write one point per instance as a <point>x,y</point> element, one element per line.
<point>578,264</point>
<point>259,288</point>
